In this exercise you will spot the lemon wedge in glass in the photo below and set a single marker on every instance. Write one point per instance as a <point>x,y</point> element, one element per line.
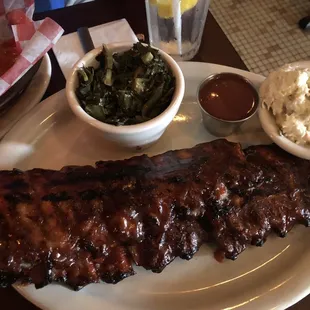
<point>165,7</point>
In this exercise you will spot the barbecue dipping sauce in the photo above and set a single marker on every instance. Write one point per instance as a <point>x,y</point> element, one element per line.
<point>228,97</point>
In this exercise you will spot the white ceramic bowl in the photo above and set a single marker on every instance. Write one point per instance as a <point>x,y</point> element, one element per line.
<point>137,136</point>
<point>272,130</point>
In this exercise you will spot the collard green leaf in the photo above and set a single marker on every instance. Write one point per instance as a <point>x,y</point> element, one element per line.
<point>95,111</point>
<point>126,88</point>
<point>151,103</point>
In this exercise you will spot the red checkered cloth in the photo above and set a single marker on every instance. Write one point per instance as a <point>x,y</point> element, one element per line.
<point>33,38</point>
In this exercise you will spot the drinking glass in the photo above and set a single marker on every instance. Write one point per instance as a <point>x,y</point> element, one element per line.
<point>176,26</point>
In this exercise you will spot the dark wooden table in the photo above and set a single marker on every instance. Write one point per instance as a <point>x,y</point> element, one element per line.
<point>215,48</point>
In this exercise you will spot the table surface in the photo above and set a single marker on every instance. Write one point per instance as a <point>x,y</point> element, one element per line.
<point>215,48</point>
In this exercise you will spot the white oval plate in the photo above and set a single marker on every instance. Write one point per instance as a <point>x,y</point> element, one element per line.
<point>272,130</point>
<point>272,277</point>
<point>29,98</point>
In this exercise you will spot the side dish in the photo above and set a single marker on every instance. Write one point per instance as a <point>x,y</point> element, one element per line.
<point>127,88</point>
<point>228,96</point>
<point>286,94</point>
<point>226,101</point>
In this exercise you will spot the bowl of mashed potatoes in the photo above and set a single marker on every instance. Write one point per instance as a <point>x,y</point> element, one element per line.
<point>284,110</point>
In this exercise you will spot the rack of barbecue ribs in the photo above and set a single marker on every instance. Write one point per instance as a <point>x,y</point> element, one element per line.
<point>88,224</point>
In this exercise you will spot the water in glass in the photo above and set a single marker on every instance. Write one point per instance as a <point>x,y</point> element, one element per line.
<point>176,26</point>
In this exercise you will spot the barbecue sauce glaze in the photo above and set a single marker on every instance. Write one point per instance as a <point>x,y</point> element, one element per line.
<point>84,224</point>
<point>228,97</point>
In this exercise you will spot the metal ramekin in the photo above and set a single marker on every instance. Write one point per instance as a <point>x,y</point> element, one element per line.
<point>219,127</point>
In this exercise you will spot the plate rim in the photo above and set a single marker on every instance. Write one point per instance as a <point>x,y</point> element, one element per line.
<point>34,91</point>
<point>46,65</point>
<point>48,74</point>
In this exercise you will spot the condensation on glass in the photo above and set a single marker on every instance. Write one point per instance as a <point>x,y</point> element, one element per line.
<point>176,26</point>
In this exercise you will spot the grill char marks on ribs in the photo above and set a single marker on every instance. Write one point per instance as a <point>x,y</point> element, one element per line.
<point>272,195</point>
<point>81,225</point>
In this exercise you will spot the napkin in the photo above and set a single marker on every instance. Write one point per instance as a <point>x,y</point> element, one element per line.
<point>33,39</point>
<point>68,49</point>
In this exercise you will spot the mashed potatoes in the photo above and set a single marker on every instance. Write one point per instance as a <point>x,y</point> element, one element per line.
<point>286,93</point>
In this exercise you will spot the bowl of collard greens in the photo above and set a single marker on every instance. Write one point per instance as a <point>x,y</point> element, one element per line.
<point>129,92</point>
